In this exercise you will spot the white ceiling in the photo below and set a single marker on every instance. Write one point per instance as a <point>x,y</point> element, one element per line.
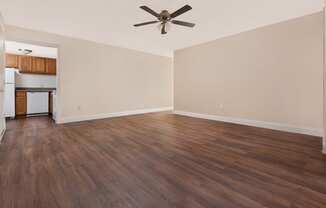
<point>110,21</point>
<point>40,51</point>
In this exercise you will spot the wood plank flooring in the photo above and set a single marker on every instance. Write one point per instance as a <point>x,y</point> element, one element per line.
<point>158,160</point>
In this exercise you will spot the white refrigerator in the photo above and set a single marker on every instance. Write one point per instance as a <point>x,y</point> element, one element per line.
<point>9,93</point>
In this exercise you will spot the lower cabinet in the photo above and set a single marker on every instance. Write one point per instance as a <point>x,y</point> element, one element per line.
<point>29,103</point>
<point>21,103</point>
<point>51,103</point>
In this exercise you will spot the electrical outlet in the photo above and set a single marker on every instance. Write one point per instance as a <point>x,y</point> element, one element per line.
<point>78,108</point>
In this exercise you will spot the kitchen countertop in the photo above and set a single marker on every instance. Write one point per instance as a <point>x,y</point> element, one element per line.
<point>34,89</point>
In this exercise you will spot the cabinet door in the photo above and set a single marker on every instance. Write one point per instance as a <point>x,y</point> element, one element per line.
<point>21,103</point>
<point>12,61</point>
<point>38,65</point>
<point>51,66</point>
<point>25,64</point>
<point>50,102</point>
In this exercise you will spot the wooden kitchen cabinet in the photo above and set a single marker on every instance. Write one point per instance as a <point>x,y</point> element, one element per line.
<point>50,103</point>
<point>38,65</point>
<point>12,61</point>
<point>32,64</point>
<point>21,103</point>
<point>51,66</point>
<point>25,64</point>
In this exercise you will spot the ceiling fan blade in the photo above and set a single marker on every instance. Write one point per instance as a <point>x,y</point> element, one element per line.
<point>149,10</point>
<point>163,31</point>
<point>181,11</point>
<point>145,23</point>
<point>182,23</point>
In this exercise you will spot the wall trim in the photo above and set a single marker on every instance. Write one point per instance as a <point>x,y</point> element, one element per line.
<point>255,123</point>
<point>111,115</point>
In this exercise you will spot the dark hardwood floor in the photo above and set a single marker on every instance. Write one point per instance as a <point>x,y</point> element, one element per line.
<point>158,160</point>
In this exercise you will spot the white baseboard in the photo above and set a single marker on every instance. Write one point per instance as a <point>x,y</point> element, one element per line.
<point>111,115</point>
<point>261,124</point>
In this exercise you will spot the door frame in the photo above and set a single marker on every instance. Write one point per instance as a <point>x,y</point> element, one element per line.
<point>324,77</point>
<point>2,80</point>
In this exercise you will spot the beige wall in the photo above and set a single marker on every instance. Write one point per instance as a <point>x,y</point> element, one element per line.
<point>103,79</point>
<point>272,74</point>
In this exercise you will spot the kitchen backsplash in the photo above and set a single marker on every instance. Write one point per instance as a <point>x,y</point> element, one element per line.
<point>35,81</point>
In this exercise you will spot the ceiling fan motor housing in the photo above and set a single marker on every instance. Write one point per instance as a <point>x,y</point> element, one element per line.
<point>164,16</point>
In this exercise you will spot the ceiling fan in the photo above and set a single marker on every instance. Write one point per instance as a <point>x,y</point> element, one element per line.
<point>165,17</point>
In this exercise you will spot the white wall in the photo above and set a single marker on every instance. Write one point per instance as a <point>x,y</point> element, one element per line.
<point>35,81</point>
<point>271,76</point>
<point>96,79</point>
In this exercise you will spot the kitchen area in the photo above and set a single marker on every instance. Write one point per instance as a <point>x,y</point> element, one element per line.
<point>30,81</point>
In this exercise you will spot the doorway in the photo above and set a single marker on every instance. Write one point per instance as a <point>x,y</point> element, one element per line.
<point>30,81</point>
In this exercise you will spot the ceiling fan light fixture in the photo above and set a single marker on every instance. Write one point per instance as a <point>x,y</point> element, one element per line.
<point>167,27</point>
<point>165,18</point>
<point>25,51</point>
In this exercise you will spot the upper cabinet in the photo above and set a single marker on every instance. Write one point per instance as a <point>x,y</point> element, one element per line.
<point>51,66</point>
<point>38,65</point>
<point>25,64</point>
<point>12,61</point>
<point>31,64</point>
